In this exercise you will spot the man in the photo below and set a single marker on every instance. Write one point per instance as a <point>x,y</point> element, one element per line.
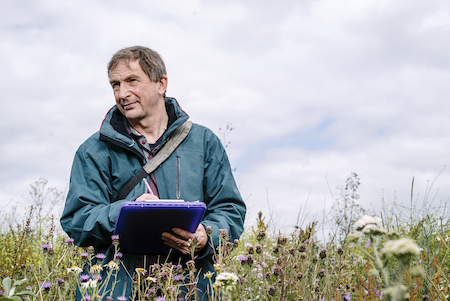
<point>141,122</point>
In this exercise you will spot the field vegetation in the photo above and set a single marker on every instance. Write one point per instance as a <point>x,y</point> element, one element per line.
<point>399,254</point>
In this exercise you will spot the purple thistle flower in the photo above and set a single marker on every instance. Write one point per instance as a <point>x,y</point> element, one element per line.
<point>347,296</point>
<point>69,241</point>
<point>60,281</point>
<point>46,286</point>
<point>84,255</point>
<point>100,256</point>
<point>45,247</point>
<point>118,255</point>
<point>87,298</point>
<point>109,298</point>
<point>178,278</point>
<point>160,299</point>
<point>84,278</point>
<point>122,298</point>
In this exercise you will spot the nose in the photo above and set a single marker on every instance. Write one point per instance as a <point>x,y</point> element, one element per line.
<point>123,91</point>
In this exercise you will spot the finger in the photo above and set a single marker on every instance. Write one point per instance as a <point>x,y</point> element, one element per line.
<point>176,246</point>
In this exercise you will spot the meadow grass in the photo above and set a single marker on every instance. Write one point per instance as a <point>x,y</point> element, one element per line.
<point>394,258</point>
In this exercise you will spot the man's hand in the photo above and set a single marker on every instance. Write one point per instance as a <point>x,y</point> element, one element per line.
<point>179,239</point>
<point>147,197</point>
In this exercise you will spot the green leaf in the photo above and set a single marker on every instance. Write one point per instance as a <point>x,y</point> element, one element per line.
<point>10,299</point>
<point>26,293</point>
<point>20,282</point>
<point>7,285</point>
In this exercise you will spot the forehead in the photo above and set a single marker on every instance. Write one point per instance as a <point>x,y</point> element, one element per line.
<point>126,68</point>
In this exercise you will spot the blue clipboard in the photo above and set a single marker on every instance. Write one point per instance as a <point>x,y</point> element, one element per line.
<point>140,224</point>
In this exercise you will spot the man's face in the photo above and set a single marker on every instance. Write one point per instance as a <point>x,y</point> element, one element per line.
<point>137,97</point>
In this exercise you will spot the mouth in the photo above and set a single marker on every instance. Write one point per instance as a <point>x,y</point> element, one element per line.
<point>129,106</point>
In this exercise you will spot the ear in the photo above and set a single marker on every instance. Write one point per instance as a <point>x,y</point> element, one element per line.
<point>162,85</point>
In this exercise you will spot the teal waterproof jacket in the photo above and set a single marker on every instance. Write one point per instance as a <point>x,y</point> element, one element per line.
<point>110,157</point>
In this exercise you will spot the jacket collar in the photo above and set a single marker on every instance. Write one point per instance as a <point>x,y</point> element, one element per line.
<point>113,129</point>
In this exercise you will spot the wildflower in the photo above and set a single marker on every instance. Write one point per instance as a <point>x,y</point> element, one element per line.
<point>162,276</point>
<point>84,255</point>
<point>394,292</point>
<point>122,298</point>
<point>299,276</point>
<point>425,297</point>
<point>281,240</point>
<point>60,281</point>
<point>90,283</point>
<point>74,269</point>
<point>321,273</point>
<point>140,271</point>
<point>91,250</point>
<point>275,249</point>
<point>242,259</point>
<point>271,290</point>
<point>249,248</point>
<point>190,265</point>
<point>115,240</point>
<point>258,248</point>
<point>100,257</point>
<point>373,272</point>
<point>367,220</point>
<point>250,259</point>
<point>45,247</point>
<point>109,298</point>
<point>340,251</point>
<point>302,248</point>
<point>393,234</point>
<point>261,234</point>
<point>160,299</point>
<point>276,270</point>
<point>87,298</point>
<point>46,286</point>
<point>223,233</point>
<point>403,249</point>
<point>118,255</point>
<point>178,278</point>
<point>226,280</point>
<point>367,244</point>
<point>353,237</point>
<point>314,259</point>
<point>95,269</point>
<point>303,255</point>
<point>347,296</point>
<point>208,275</point>
<point>208,230</point>
<point>69,241</point>
<point>372,229</point>
<point>417,271</point>
<point>112,265</point>
<point>84,278</point>
<point>236,243</point>
<point>323,253</point>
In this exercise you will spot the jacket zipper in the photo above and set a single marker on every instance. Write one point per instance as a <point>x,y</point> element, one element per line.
<point>178,176</point>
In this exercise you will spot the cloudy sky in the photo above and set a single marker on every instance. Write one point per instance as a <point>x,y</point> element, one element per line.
<point>313,89</point>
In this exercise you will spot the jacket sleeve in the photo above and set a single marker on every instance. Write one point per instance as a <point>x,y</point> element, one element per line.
<point>225,207</point>
<point>90,214</point>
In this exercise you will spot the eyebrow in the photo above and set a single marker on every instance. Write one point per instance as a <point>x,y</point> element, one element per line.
<point>112,81</point>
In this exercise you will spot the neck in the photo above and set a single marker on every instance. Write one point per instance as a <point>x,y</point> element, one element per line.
<point>152,127</point>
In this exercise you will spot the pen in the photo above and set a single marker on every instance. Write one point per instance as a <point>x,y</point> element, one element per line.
<point>148,186</point>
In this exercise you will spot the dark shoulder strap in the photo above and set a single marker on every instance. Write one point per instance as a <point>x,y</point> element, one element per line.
<point>175,140</point>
